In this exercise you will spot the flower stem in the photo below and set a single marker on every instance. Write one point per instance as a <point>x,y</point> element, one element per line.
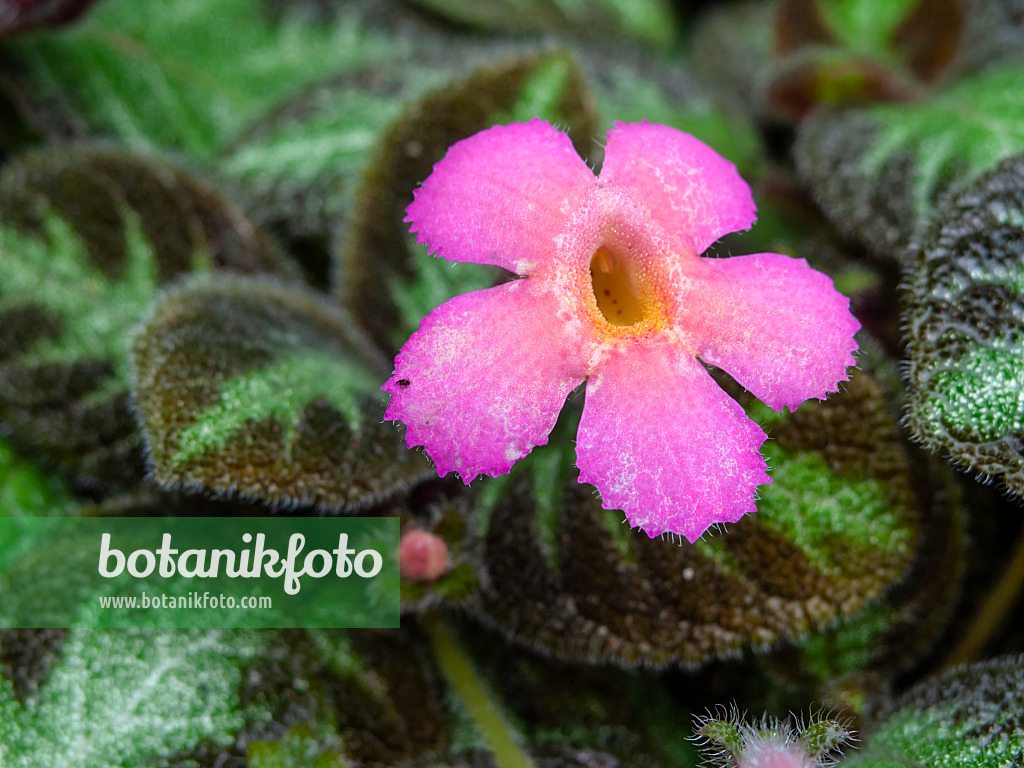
<point>476,697</point>
<point>1000,600</point>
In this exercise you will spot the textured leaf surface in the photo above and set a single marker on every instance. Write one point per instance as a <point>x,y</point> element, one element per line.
<point>119,699</point>
<point>373,690</point>
<point>168,73</point>
<point>964,318</point>
<point>878,172</point>
<point>254,388</point>
<point>375,259</point>
<point>852,664</point>
<point>87,236</point>
<point>832,532</point>
<point>971,716</point>
<point>299,165</point>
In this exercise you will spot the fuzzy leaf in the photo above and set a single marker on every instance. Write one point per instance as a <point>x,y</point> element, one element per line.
<point>965,329</point>
<point>878,172</point>
<point>119,699</point>
<point>299,165</point>
<point>87,236</point>
<point>370,696</point>
<point>166,74</point>
<point>852,664</point>
<point>971,716</point>
<point>253,388</point>
<point>834,530</point>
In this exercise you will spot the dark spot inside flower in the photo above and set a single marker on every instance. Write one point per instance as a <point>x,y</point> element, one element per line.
<point>404,382</point>
<point>615,289</point>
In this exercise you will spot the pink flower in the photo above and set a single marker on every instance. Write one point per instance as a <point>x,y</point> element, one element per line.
<point>612,292</point>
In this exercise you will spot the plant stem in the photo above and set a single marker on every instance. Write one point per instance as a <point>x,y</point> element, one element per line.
<point>476,697</point>
<point>994,610</point>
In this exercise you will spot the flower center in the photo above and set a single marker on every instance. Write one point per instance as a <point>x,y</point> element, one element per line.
<point>616,289</point>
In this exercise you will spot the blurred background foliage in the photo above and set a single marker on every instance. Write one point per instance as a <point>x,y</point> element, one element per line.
<point>204,275</point>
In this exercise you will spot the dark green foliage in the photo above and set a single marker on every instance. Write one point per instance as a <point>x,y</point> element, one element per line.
<point>167,75</point>
<point>833,531</point>
<point>87,236</point>
<point>25,489</point>
<point>879,171</point>
<point>253,388</point>
<point>320,118</point>
<point>964,319</point>
<point>971,716</point>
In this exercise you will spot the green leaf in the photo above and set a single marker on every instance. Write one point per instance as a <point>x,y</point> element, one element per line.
<point>865,25</point>
<point>299,165</point>
<point>298,747</point>
<point>25,490</point>
<point>878,172</point>
<point>834,530</point>
<point>87,236</point>
<point>254,388</point>
<point>854,663</point>
<point>169,75</point>
<point>119,699</point>
<point>971,716</point>
<point>964,318</point>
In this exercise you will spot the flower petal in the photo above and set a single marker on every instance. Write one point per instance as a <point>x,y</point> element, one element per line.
<point>501,196</point>
<point>777,326</point>
<point>665,444</point>
<point>688,187</point>
<point>483,379</point>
